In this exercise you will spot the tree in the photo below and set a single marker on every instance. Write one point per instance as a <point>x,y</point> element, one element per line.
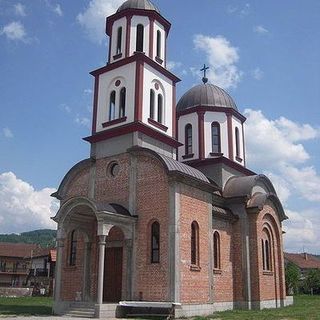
<point>312,281</point>
<point>293,276</point>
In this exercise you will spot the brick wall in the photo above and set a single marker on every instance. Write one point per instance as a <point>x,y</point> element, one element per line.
<point>223,278</point>
<point>195,285</point>
<point>151,279</point>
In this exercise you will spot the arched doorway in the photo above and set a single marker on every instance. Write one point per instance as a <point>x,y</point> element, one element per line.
<point>114,266</point>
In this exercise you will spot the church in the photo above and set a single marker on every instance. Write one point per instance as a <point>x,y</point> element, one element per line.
<point>164,211</point>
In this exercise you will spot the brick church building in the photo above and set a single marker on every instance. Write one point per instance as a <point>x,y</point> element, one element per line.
<point>164,210</point>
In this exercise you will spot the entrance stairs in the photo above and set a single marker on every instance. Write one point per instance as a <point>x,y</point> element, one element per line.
<point>81,310</point>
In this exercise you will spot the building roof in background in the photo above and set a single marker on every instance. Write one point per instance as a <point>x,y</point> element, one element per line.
<point>303,260</point>
<point>16,250</point>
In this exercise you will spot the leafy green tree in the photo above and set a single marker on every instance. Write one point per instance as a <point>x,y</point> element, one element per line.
<point>293,276</point>
<point>312,281</point>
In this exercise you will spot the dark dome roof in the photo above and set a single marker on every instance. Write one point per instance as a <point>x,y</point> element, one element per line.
<point>206,95</point>
<point>138,4</point>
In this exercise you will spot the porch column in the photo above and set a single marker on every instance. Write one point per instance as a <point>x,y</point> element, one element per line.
<point>57,281</point>
<point>102,248</point>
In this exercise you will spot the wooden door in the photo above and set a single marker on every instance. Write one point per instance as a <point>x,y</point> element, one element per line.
<point>112,275</point>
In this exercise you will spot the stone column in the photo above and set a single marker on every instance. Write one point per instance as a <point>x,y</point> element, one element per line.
<point>87,272</point>
<point>128,247</point>
<point>102,248</point>
<point>57,285</point>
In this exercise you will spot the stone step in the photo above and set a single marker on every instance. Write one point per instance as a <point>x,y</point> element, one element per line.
<point>81,312</point>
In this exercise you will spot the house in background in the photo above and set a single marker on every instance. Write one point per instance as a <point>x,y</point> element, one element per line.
<point>24,264</point>
<point>304,261</point>
<point>14,263</point>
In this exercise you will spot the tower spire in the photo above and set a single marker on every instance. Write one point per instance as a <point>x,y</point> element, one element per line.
<point>204,69</point>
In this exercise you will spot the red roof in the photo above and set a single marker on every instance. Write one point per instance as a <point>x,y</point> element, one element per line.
<point>16,250</point>
<point>303,260</point>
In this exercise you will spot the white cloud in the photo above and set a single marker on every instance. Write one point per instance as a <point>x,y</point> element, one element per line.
<point>57,9</point>
<point>83,121</point>
<point>222,58</point>
<point>260,29</point>
<point>267,143</point>
<point>65,107</point>
<point>257,73</point>
<point>7,133</point>
<point>20,9</point>
<point>87,91</point>
<point>281,186</point>
<point>24,208</point>
<point>240,11</point>
<point>172,65</point>
<point>93,18</point>
<point>301,232</point>
<point>14,31</point>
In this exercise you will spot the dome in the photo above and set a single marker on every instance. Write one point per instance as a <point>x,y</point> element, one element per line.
<point>206,95</point>
<point>138,4</point>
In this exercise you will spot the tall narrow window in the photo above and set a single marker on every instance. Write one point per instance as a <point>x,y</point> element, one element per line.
<point>155,242</point>
<point>119,40</point>
<point>112,106</point>
<point>139,39</point>
<point>266,251</point>
<point>188,139</point>
<point>158,44</point>
<point>73,248</point>
<point>263,255</point>
<point>152,97</point>
<point>122,104</point>
<point>194,243</point>
<point>267,255</point>
<point>237,143</point>
<point>216,250</point>
<point>215,137</point>
<point>160,108</point>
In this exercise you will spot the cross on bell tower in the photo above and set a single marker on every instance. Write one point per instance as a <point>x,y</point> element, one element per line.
<point>204,69</point>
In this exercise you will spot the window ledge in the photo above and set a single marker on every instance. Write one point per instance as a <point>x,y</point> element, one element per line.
<point>113,122</point>
<point>158,125</point>
<point>188,156</point>
<point>239,159</point>
<point>216,154</point>
<point>159,60</point>
<point>267,273</point>
<point>217,271</point>
<point>117,56</point>
<point>194,267</point>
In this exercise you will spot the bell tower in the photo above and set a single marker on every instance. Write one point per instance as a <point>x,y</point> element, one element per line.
<point>134,94</point>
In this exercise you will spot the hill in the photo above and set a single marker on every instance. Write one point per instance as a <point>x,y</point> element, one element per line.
<point>43,237</point>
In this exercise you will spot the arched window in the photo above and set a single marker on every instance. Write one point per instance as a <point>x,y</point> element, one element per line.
<point>122,104</point>
<point>216,250</point>
<point>119,40</point>
<point>112,106</point>
<point>266,251</point>
<point>73,248</point>
<point>194,243</point>
<point>152,97</point>
<point>155,242</point>
<point>158,44</point>
<point>160,108</point>
<point>188,139</point>
<point>139,39</point>
<point>215,137</point>
<point>237,142</point>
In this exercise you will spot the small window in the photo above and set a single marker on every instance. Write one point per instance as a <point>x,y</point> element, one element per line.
<point>152,97</point>
<point>122,105</point>
<point>237,143</point>
<point>73,248</point>
<point>155,242</point>
<point>139,39</point>
<point>215,137</point>
<point>188,139</point>
<point>194,243</point>
<point>158,44</point>
<point>112,106</point>
<point>160,108</point>
<point>119,40</point>
<point>266,251</point>
<point>216,250</point>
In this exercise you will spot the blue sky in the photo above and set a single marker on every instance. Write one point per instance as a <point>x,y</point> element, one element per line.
<point>265,53</point>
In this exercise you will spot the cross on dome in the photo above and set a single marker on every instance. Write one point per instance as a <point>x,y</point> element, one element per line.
<point>204,69</point>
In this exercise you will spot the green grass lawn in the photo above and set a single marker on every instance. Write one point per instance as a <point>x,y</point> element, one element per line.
<point>304,308</point>
<point>25,306</point>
